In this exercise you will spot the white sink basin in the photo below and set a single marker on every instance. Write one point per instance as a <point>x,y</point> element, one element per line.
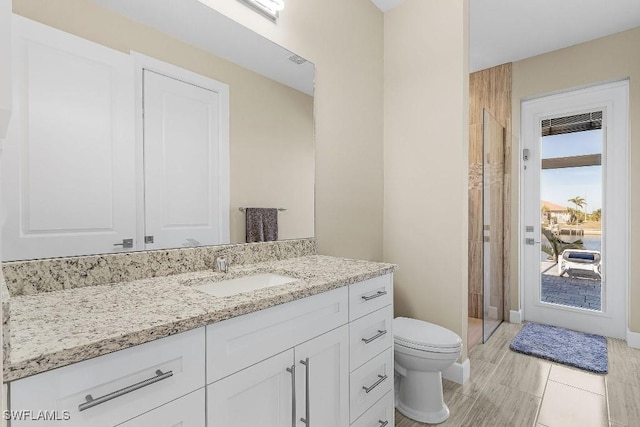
<point>225,288</point>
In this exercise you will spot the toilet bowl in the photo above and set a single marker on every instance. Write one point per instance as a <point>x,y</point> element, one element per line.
<point>422,351</point>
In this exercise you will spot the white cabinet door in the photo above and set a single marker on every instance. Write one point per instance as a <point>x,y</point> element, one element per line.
<point>322,380</point>
<point>68,173</point>
<point>188,411</point>
<point>184,189</point>
<point>260,395</point>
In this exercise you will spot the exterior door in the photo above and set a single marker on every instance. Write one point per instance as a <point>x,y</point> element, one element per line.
<point>260,395</point>
<point>322,379</point>
<point>182,161</point>
<point>566,283</point>
<point>68,169</point>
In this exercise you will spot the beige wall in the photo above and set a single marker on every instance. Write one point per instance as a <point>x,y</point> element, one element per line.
<point>610,58</point>
<point>426,159</point>
<point>271,125</point>
<point>344,39</point>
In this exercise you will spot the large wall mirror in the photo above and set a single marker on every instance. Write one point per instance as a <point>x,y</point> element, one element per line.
<point>96,80</point>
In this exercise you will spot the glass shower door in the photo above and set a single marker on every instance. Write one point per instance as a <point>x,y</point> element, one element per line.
<point>493,224</point>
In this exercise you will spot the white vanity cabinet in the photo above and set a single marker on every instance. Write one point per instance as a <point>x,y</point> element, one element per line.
<point>321,361</point>
<point>307,382</point>
<point>114,388</point>
<point>286,363</point>
<point>327,359</point>
<point>371,352</point>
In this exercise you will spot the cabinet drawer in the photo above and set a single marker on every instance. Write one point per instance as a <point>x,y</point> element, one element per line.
<point>187,411</point>
<point>240,342</point>
<point>381,414</point>
<point>370,335</point>
<point>370,295</point>
<point>370,382</point>
<point>175,364</point>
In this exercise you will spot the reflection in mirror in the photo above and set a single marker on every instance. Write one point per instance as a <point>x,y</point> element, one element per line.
<point>78,169</point>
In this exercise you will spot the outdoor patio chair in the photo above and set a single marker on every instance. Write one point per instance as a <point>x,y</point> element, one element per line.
<point>575,261</point>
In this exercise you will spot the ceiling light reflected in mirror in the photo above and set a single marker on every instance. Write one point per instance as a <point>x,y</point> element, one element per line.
<point>268,8</point>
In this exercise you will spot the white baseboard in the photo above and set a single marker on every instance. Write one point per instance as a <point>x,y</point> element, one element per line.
<point>458,372</point>
<point>633,339</point>
<point>515,316</point>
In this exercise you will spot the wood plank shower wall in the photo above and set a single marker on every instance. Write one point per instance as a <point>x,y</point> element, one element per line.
<point>489,89</point>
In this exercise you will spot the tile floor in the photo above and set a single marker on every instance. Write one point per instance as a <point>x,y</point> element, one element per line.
<point>511,389</point>
<point>574,292</point>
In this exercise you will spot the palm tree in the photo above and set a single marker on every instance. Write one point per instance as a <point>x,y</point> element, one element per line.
<point>556,246</point>
<point>578,201</point>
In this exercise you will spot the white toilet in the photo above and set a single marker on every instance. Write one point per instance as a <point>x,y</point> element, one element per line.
<point>422,351</point>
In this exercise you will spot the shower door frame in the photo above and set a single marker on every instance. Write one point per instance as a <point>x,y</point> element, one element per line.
<point>492,232</point>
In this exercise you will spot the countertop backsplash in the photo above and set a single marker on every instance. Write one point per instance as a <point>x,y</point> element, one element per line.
<point>55,274</point>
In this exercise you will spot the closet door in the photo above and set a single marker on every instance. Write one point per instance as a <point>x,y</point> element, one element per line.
<point>68,169</point>
<point>182,162</point>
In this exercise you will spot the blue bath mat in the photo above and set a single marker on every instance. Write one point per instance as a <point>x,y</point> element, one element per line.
<point>577,349</point>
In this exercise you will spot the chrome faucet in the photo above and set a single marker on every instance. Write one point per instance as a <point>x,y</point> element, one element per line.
<point>221,265</point>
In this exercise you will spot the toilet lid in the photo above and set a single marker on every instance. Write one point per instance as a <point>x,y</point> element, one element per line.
<point>419,334</point>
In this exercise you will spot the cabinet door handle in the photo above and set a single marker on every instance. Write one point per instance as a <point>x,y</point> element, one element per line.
<point>375,337</point>
<point>292,371</point>
<point>306,418</point>
<point>381,378</point>
<point>376,295</point>
<point>383,423</point>
<point>91,402</point>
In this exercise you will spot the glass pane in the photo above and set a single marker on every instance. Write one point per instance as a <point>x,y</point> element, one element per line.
<point>572,144</point>
<point>493,209</point>
<point>571,212</point>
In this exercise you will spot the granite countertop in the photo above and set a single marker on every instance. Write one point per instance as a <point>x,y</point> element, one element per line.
<point>53,329</point>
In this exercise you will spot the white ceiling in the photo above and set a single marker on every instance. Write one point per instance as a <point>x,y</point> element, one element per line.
<point>509,30</point>
<point>199,25</point>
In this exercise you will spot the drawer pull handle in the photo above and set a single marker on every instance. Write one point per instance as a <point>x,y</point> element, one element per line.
<point>381,378</point>
<point>376,295</point>
<point>91,402</point>
<point>375,337</point>
<point>383,423</point>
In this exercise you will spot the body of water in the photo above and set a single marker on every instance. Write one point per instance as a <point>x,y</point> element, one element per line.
<point>591,242</point>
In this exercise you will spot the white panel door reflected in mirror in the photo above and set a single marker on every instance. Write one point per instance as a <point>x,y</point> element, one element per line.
<point>270,123</point>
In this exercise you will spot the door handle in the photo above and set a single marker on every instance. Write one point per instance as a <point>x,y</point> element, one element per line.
<point>306,418</point>
<point>292,371</point>
<point>126,244</point>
